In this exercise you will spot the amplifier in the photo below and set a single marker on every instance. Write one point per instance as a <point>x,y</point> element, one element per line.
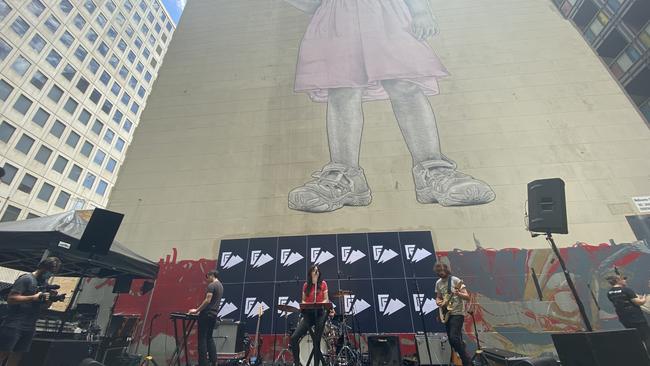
<point>501,357</point>
<point>438,346</point>
<point>229,336</point>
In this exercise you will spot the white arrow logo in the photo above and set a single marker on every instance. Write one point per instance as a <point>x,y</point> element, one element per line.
<point>253,307</point>
<point>284,300</point>
<point>388,306</point>
<point>359,305</point>
<point>381,255</point>
<point>414,254</point>
<point>350,256</point>
<point>226,308</point>
<point>287,257</point>
<point>428,305</point>
<point>229,261</point>
<point>259,259</point>
<point>319,256</point>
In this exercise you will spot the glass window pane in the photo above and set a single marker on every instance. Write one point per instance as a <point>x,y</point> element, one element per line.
<point>120,19</point>
<point>119,144</point>
<point>20,26</point>
<point>95,96</point>
<point>66,39</point>
<point>110,166</point>
<point>5,90</point>
<point>124,72</point>
<point>87,149</point>
<point>90,6</point>
<point>22,104</point>
<point>6,131</point>
<point>27,184</point>
<point>71,105</point>
<point>73,139</point>
<point>43,154</point>
<point>75,173</point>
<point>36,7</point>
<point>93,66</point>
<point>81,53</point>
<point>11,214</point>
<point>82,85</point>
<point>89,181</point>
<point>53,58</point>
<point>57,128</point>
<point>10,173</point>
<point>127,126</point>
<point>55,93</point>
<point>114,61</point>
<point>5,49</point>
<point>99,157</point>
<point>46,192</point>
<point>62,200</point>
<point>37,43</point>
<point>125,99</point>
<point>79,21</point>
<point>91,36</point>
<point>101,20</point>
<point>59,164</point>
<point>115,89</point>
<point>40,117</point>
<point>110,6</point>
<point>65,6</point>
<point>97,127</point>
<point>38,80</point>
<point>109,135</point>
<point>107,107</point>
<point>101,188</point>
<point>5,9</point>
<point>24,144</point>
<point>68,72</point>
<point>21,65</point>
<point>121,45</point>
<point>84,116</point>
<point>103,49</point>
<point>52,24</point>
<point>141,92</point>
<point>117,116</point>
<point>105,78</point>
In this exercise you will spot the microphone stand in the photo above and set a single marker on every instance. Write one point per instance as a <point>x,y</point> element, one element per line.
<point>275,324</point>
<point>424,323</point>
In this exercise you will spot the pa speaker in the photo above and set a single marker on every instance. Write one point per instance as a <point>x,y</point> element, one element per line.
<point>100,232</point>
<point>229,336</point>
<point>606,348</point>
<point>547,206</point>
<point>384,350</point>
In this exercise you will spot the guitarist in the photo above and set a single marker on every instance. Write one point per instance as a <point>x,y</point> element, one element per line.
<point>313,291</point>
<point>207,312</point>
<point>452,289</point>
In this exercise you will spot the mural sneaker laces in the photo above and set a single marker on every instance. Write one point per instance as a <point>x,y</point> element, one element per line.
<point>438,181</point>
<point>335,186</point>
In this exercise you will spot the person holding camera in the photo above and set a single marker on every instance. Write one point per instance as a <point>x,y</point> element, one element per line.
<point>26,299</point>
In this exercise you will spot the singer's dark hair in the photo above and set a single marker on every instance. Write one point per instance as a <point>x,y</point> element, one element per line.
<point>212,273</point>
<point>443,266</point>
<point>309,281</point>
<point>51,264</point>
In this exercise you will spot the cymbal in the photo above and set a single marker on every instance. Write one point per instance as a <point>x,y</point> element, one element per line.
<point>288,308</point>
<point>341,293</point>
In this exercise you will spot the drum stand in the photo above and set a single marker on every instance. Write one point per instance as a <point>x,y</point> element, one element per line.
<point>347,356</point>
<point>283,351</point>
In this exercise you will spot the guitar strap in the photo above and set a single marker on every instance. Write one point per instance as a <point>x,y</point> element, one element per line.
<point>448,284</point>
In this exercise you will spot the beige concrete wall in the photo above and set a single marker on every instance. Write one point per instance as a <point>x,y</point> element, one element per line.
<point>224,137</point>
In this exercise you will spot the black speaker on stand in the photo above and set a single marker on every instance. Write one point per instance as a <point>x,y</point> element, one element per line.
<point>384,350</point>
<point>547,206</point>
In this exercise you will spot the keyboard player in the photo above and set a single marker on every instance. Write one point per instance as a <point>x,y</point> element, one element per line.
<point>313,291</point>
<point>207,312</point>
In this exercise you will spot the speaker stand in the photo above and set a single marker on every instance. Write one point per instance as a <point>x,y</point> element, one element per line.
<point>567,275</point>
<point>421,313</point>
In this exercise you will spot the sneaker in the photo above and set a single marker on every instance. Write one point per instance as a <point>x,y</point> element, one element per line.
<point>335,186</point>
<point>438,181</point>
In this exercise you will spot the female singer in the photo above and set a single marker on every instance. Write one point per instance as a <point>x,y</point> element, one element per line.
<point>313,291</point>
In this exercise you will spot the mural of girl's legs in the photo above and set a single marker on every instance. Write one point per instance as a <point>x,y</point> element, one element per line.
<point>436,178</point>
<point>342,181</point>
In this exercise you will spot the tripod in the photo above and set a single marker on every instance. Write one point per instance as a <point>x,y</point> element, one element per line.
<point>285,349</point>
<point>148,359</point>
<point>347,355</point>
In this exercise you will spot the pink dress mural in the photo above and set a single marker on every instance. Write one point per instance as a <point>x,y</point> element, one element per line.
<point>364,50</point>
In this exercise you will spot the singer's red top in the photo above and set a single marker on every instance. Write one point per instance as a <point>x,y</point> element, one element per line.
<point>320,295</point>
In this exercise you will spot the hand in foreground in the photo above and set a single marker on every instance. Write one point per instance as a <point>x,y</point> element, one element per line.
<point>193,311</point>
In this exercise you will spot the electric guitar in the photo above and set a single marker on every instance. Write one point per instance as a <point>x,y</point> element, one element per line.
<point>255,358</point>
<point>448,302</point>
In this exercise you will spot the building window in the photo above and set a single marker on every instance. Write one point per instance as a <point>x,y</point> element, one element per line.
<point>139,67</point>
<point>120,19</point>
<point>53,58</point>
<point>110,166</point>
<point>119,144</point>
<point>110,6</point>
<point>89,181</point>
<point>107,107</point>
<point>101,20</point>
<point>146,53</point>
<point>37,43</point>
<point>93,66</point>
<point>57,129</point>
<point>21,65</point>
<point>10,214</point>
<point>10,174</point>
<point>38,80</point>
<point>31,216</point>
<point>136,18</point>
<point>127,126</point>
<point>152,40</point>
<point>121,45</point>
<point>115,89</point>
<point>114,61</point>
<point>82,85</point>
<point>131,57</point>
<point>91,36</point>
<point>52,24</point>
<point>147,77</point>
<point>5,9</point>
<point>90,6</point>
<point>84,116</point>
<point>68,72</point>
<point>40,117</point>
<point>133,83</point>
<point>125,99</point>
<point>75,173</point>
<point>117,116</point>
<point>36,7</point>
<point>137,43</point>
<point>105,78</point>
<point>128,6</point>
<point>22,104</point>
<point>71,105</point>
<point>97,128</point>
<point>101,188</point>
<point>24,144</point>
<point>159,50</point>
<point>55,93</point>
<point>124,72</point>
<point>62,200</point>
<point>143,5</point>
<point>168,26</point>
<point>27,184</point>
<point>150,17</point>
<point>95,96</point>
<point>158,29</point>
<point>73,139</point>
<point>87,149</point>
<point>112,33</point>
<point>141,92</point>
<point>67,39</point>
<point>5,49</point>
<point>5,90</point>
<point>6,131</point>
<point>79,22</point>
<point>43,154</point>
<point>109,135</point>
<point>129,31</point>
<point>144,29</point>
<point>65,6</point>
<point>46,192</point>
<point>99,157</point>
<point>20,26</point>
<point>80,53</point>
<point>59,164</point>
<point>103,49</point>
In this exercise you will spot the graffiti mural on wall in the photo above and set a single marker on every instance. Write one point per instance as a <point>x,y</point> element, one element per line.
<point>505,300</point>
<point>367,50</point>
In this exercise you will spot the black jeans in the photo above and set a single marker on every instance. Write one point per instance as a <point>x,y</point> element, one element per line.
<point>644,333</point>
<point>455,335</point>
<point>207,348</point>
<point>315,318</point>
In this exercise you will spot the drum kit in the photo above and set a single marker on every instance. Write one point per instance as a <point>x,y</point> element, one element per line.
<point>335,344</point>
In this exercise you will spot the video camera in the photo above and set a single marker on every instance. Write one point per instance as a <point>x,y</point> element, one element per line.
<point>52,290</point>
